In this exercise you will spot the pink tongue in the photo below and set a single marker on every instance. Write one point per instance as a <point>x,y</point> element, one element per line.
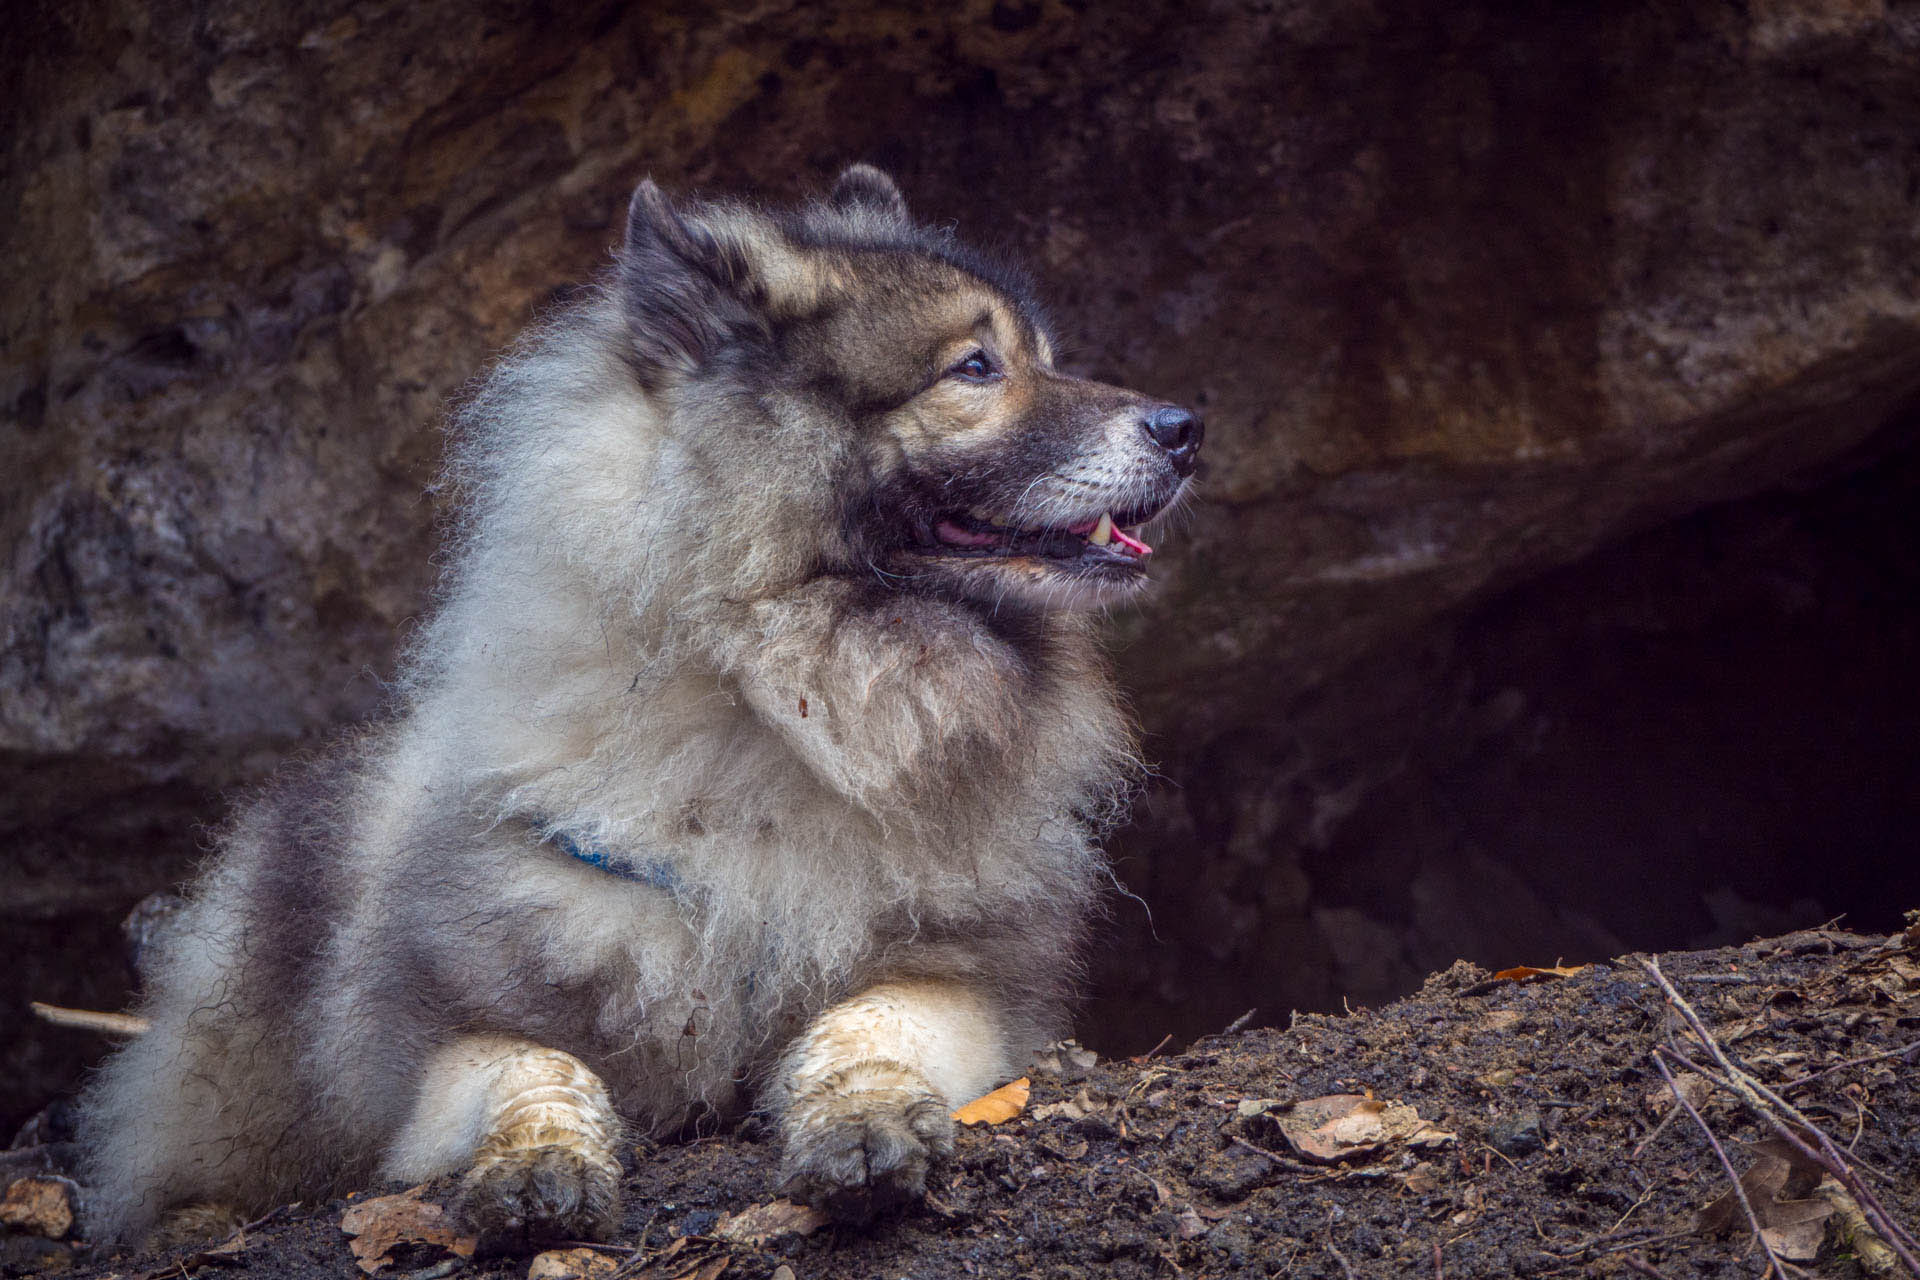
<point>1134,545</point>
<point>949,532</point>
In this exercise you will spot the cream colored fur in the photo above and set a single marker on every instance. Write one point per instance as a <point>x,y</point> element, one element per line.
<point>874,806</point>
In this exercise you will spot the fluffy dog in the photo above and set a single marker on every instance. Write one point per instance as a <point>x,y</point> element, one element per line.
<point>758,745</point>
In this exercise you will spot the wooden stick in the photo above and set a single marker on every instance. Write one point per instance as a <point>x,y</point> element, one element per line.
<point>112,1024</point>
<point>1903,1051</point>
<point>1739,1191</point>
<point>1758,1097</point>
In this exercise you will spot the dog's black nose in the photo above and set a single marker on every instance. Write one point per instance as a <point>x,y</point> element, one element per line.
<point>1179,433</point>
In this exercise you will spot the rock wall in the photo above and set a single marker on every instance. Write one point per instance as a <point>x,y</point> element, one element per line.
<point>1467,291</point>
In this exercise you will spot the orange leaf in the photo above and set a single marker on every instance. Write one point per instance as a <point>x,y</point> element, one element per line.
<point>1527,973</point>
<point>1004,1103</point>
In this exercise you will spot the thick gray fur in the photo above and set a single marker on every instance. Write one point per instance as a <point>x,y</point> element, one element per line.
<point>672,531</point>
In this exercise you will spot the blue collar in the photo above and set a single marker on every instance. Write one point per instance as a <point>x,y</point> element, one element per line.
<point>655,873</point>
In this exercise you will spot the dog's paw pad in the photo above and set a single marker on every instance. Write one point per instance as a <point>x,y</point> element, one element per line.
<point>861,1152</point>
<point>529,1196</point>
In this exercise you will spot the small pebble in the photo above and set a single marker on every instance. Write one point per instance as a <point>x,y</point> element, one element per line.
<point>1517,1135</point>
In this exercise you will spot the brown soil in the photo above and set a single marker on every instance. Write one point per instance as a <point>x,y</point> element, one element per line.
<point>1561,1163</point>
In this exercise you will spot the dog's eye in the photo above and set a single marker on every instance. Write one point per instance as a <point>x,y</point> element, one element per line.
<point>977,366</point>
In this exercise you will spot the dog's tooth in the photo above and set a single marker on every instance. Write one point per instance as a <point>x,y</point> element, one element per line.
<point>1103,532</point>
<point>998,522</point>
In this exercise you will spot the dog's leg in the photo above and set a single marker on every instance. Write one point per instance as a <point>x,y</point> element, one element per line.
<point>535,1131</point>
<point>866,1091</point>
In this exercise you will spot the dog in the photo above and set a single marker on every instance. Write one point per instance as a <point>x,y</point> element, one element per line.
<point>757,749</point>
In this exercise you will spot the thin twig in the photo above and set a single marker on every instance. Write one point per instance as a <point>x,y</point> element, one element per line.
<point>1240,1023</point>
<point>112,1024</point>
<point>1746,1206</point>
<point>1615,1242</point>
<point>1658,1129</point>
<point>1341,1258</point>
<point>601,1245</point>
<point>1752,1100</point>
<point>1285,1162</point>
<point>267,1217</point>
<point>1637,1263</point>
<point>1632,1209</point>
<point>1897,1237</point>
<point>1738,1078</point>
<point>1901,1052</point>
<point>1757,1096</point>
<point>1828,1157</point>
<point>1503,1155</point>
<point>1438,1274</point>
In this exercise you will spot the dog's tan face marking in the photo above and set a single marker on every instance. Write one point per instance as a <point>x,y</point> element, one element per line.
<point>1007,480</point>
<point>982,375</point>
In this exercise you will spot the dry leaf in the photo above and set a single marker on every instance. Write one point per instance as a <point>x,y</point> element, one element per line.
<point>1797,1227</point>
<point>1351,1126</point>
<point>1070,1150</point>
<point>1694,1089</point>
<point>571,1264</point>
<point>1779,1176</point>
<point>1003,1104</point>
<point>38,1207</point>
<point>1528,973</point>
<point>1078,1107</point>
<point>770,1221</point>
<point>403,1221</point>
<point>1066,1059</point>
<point>1422,1180</point>
<point>1188,1224</point>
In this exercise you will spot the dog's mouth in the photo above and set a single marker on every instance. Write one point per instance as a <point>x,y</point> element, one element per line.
<point>1111,538</point>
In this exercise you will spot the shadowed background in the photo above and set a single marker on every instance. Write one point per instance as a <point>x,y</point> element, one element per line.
<point>1554,587</point>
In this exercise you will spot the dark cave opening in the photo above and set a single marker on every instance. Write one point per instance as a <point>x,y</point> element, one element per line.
<point>1701,733</point>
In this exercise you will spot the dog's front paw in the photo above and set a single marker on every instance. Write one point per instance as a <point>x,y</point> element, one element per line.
<point>516,1199</point>
<point>861,1140</point>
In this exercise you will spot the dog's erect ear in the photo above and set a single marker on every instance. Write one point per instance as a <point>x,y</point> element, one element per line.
<point>687,280</point>
<point>865,189</point>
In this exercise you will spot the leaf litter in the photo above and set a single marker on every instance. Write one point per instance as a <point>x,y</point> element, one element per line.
<point>1367,1144</point>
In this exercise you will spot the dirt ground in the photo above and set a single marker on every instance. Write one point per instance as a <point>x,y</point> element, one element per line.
<point>1541,1141</point>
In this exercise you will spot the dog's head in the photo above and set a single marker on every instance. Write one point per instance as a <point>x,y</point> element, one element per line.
<point>911,378</point>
